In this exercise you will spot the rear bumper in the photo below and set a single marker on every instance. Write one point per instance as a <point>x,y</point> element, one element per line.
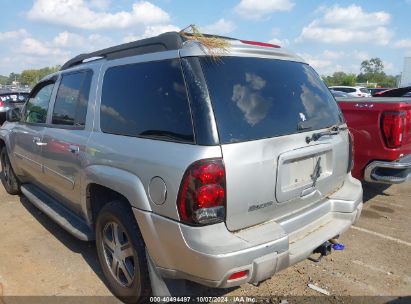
<point>386,172</point>
<point>209,255</point>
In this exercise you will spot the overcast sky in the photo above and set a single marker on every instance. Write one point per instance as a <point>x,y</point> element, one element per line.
<point>330,35</point>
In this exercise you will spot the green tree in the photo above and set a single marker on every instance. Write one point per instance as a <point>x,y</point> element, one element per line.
<point>3,79</point>
<point>372,71</point>
<point>13,77</point>
<point>349,80</point>
<point>372,66</point>
<point>340,78</point>
<point>31,77</point>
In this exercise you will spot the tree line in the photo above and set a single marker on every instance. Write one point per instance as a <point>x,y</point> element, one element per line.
<point>28,77</point>
<point>372,72</point>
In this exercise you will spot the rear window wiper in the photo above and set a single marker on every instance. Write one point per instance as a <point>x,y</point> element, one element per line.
<point>301,127</point>
<point>333,130</point>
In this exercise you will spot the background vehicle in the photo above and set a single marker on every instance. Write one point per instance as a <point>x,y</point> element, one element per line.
<point>382,137</point>
<point>10,100</point>
<point>399,92</point>
<point>376,91</point>
<point>353,91</point>
<point>338,93</point>
<point>137,150</point>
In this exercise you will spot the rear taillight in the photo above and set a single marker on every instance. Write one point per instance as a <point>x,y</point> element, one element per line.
<point>1,104</point>
<point>392,126</point>
<point>350,152</point>
<point>202,196</point>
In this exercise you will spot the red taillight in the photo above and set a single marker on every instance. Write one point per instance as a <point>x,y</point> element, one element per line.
<point>1,104</point>
<point>260,43</point>
<point>393,124</point>
<point>210,173</point>
<point>201,199</point>
<point>210,196</point>
<point>238,275</point>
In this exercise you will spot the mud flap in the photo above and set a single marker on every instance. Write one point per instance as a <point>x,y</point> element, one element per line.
<point>164,287</point>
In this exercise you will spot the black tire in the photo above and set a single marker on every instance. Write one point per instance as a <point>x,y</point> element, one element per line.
<point>127,285</point>
<point>8,178</point>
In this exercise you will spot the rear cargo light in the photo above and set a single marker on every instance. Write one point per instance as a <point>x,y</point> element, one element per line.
<point>202,196</point>
<point>260,44</point>
<point>392,126</point>
<point>350,152</point>
<point>238,275</point>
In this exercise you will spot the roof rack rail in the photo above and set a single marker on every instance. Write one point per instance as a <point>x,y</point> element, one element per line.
<point>163,42</point>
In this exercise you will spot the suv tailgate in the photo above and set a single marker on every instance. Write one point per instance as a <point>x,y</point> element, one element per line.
<point>271,178</point>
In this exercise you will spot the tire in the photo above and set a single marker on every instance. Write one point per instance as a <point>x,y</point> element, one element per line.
<point>120,247</point>
<point>8,178</point>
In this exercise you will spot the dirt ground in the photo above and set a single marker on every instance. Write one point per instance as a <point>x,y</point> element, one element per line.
<point>38,258</point>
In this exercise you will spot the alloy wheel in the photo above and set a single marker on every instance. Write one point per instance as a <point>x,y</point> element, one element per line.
<point>119,253</point>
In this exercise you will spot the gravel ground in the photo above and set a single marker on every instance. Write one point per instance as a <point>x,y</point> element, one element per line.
<point>38,258</point>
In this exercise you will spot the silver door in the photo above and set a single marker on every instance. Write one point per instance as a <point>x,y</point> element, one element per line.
<point>26,146</point>
<point>26,139</point>
<point>65,138</point>
<point>62,163</point>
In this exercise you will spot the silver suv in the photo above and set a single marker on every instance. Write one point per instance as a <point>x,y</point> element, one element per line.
<point>183,165</point>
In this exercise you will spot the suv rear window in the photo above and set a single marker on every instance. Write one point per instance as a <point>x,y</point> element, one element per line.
<point>146,100</point>
<point>256,98</point>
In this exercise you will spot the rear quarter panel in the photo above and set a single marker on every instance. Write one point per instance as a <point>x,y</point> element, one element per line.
<point>363,116</point>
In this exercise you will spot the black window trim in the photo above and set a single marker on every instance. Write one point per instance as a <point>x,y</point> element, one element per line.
<point>202,112</point>
<point>103,74</point>
<point>33,92</point>
<point>68,127</point>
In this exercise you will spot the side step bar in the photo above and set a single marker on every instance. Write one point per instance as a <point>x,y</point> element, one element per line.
<point>69,221</point>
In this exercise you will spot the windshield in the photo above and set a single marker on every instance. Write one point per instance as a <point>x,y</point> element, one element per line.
<point>256,98</point>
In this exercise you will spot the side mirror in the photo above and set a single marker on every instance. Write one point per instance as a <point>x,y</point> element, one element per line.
<point>13,115</point>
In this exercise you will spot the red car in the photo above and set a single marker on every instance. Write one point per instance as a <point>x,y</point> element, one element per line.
<point>381,129</point>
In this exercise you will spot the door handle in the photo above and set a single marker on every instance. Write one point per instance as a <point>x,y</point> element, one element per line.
<point>37,141</point>
<point>74,149</point>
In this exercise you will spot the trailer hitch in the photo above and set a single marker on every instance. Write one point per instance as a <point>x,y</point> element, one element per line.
<point>326,249</point>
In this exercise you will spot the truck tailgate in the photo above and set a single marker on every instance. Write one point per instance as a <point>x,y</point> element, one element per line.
<point>364,118</point>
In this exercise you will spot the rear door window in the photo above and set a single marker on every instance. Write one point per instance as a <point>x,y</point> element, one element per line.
<point>255,98</point>
<point>364,90</point>
<point>70,108</point>
<point>146,100</point>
